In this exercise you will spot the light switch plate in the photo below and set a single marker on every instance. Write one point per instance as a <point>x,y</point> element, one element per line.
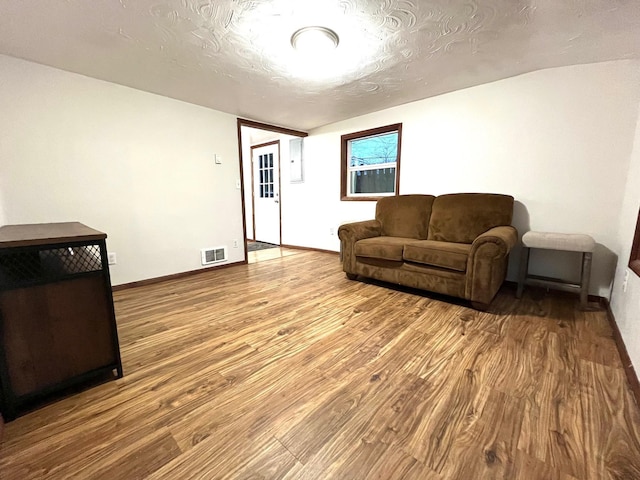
<point>218,159</point>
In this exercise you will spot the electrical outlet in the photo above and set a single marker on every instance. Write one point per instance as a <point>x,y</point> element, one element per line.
<point>332,231</point>
<point>112,258</point>
<point>625,281</point>
<point>235,244</point>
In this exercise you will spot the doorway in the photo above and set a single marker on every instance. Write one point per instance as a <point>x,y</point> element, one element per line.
<point>264,150</point>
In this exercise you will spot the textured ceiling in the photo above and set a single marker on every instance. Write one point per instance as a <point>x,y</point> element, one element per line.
<point>235,56</point>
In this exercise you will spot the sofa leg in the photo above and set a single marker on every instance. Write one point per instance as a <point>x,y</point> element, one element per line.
<point>483,307</point>
<point>351,276</point>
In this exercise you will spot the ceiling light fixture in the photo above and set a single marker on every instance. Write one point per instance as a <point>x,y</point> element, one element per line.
<point>314,40</point>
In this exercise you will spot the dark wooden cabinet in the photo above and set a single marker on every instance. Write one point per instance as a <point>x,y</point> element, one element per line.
<point>57,323</point>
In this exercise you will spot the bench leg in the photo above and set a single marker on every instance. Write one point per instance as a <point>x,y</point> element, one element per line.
<point>585,276</point>
<point>524,267</point>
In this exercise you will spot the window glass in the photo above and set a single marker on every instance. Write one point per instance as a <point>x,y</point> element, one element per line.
<point>370,163</point>
<point>265,163</point>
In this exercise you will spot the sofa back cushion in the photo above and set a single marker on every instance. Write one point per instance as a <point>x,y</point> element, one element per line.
<point>461,217</point>
<point>405,215</point>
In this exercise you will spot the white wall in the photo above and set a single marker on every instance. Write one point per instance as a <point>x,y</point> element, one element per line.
<point>558,140</point>
<point>626,304</point>
<point>140,166</point>
<point>135,165</point>
<point>288,190</point>
<point>3,217</point>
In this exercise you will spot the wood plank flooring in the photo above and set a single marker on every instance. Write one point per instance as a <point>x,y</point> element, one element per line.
<point>270,254</point>
<point>284,369</point>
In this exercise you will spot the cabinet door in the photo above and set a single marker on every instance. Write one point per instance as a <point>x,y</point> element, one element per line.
<point>55,332</point>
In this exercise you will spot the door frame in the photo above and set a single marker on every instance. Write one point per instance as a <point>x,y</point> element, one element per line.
<point>253,189</point>
<point>243,122</point>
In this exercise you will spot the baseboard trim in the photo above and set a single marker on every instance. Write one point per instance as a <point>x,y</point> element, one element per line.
<point>311,249</point>
<point>630,372</point>
<point>175,276</point>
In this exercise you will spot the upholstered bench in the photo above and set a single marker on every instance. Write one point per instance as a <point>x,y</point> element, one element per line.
<point>569,242</point>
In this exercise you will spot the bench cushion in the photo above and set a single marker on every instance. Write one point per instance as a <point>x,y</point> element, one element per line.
<point>384,248</point>
<point>572,242</point>
<point>452,256</point>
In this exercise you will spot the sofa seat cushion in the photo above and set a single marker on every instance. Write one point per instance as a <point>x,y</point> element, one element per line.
<point>452,256</point>
<point>384,248</point>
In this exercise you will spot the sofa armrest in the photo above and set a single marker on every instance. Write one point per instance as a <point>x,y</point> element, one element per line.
<point>349,234</point>
<point>487,263</point>
<point>505,237</point>
<point>355,231</point>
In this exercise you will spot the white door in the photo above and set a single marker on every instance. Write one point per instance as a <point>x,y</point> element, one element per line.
<point>266,193</point>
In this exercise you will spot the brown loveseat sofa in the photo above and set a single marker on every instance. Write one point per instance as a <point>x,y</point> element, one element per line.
<point>455,244</point>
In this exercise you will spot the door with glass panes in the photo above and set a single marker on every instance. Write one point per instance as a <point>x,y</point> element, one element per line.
<point>266,192</point>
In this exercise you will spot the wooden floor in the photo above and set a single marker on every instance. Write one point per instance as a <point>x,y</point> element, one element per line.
<point>285,369</point>
<point>270,254</point>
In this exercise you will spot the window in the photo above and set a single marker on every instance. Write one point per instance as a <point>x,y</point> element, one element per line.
<point>265,164</point>
<point>370,166</point>
<point>634,260</point>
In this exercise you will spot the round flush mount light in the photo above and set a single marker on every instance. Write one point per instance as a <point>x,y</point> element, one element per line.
<point>314,39</point>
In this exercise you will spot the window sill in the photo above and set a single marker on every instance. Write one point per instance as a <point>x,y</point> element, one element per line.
<point>362,199</point>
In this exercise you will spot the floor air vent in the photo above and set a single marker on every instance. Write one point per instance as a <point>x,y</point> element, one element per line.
<point>213,255</point>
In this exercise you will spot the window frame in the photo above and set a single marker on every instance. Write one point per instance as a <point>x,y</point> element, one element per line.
<point>344,161</point>
<point>634,258</point>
